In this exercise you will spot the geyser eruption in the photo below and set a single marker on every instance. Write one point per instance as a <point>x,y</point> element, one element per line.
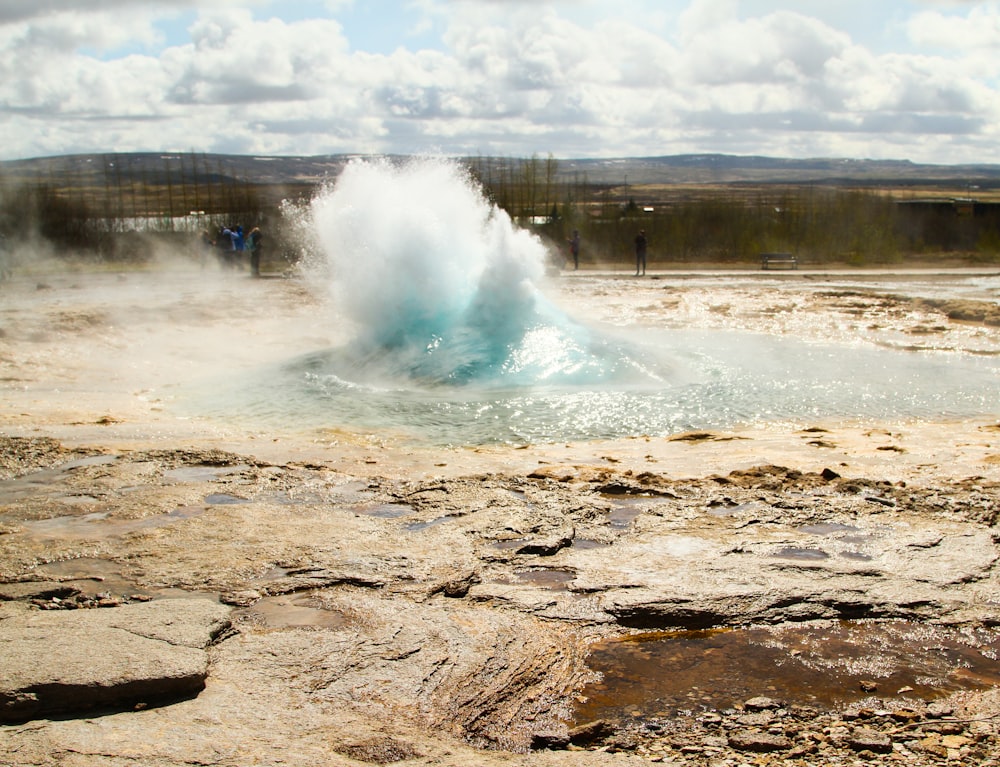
<point>442,288</point>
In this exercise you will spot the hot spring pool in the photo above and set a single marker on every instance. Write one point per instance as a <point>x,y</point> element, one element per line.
<point>703,380</point>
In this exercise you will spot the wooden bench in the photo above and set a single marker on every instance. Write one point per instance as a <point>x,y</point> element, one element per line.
<point>778,259</point>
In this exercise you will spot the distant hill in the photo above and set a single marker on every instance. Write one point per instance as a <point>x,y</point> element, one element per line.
<point>165,167</point>
<point>730,169</point>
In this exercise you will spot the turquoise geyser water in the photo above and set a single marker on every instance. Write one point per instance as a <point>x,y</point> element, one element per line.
<point>453,342</point>
<point>441,289</point>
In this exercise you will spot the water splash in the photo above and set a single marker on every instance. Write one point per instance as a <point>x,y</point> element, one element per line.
<point>442,288</point>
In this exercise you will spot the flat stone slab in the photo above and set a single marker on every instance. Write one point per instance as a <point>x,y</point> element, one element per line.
<point>63,663</point>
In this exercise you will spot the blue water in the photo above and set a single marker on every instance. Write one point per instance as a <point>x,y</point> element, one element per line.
<point>704,380</point>
<point>454,343</point>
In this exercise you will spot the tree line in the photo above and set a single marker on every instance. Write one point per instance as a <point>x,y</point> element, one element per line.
<point>734,224</point>
<point>109,211</point>
<point>112,210</point>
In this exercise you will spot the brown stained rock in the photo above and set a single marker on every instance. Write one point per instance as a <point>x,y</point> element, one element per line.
<point>591,732</point>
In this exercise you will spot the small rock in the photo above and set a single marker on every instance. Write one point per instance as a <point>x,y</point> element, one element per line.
<point>622,741</point>
<point>945,728</point>
<point>760,719</point>
<point>758,742</point>
<point>710,718</point>
<point>858,713</point>
<point>867,685</point>
<point>590,732</point>
<point>240,598</point>
<point>870,740</point>
<point>549,740</point>
<point>805,750</point>
<point>458,588</point>
<point>955,741</point>
<point>933,746</point>
<point>906,715</point>
<point>939,710</point>
<point>761,703</point>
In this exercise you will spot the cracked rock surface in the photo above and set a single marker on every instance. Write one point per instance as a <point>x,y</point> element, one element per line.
<point>74,662</point>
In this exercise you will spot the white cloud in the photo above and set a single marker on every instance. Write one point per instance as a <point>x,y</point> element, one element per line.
<point>980,29</point>
<point>588,78</point>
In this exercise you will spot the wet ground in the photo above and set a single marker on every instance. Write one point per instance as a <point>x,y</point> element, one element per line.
<point>828,666</point>
<point>438,597</point>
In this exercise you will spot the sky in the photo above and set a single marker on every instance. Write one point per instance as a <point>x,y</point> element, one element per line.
<point>884,79</point>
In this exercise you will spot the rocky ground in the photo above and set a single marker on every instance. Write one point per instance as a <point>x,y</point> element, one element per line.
<point>174,594</point>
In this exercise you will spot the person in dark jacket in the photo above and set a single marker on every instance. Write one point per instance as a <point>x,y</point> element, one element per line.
<point>574,248</point>
<point>640,252</point>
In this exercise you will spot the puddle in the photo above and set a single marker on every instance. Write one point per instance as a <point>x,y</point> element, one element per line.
<point>510,545</point>
<point>669,674</point>
<point>625,508</point>
<point>384,510</point>
<point>829,528</point>
<point>202,472</point>
<point>623,516</point>
<point>858,556</point>
<point>217,499</point>
<point>38,482</point>
<point>98,526</point>
<point>294,611</point>
<point>556,580</point>
<point>722,510</point>
<point>90,576</point>
<point>803,554</point>
<point>90,460</point>
<point>417,526</point>
<point>585,544</point>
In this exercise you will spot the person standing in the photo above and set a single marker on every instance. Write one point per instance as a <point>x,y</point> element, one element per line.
<point>640,252</point>
<point>574,248</point>
<point>234,234</point>
<point>253,245</point>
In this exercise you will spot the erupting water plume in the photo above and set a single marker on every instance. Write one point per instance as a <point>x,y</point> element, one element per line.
<point>441,286</point>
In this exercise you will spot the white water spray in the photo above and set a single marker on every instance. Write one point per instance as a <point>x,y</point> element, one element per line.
<point>441,286</point>
<point>416,249</point>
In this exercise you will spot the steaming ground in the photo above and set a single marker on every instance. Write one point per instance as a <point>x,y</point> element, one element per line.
<point>132,356</point>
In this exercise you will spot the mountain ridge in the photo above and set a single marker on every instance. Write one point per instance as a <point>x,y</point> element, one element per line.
<point>692,168</point>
